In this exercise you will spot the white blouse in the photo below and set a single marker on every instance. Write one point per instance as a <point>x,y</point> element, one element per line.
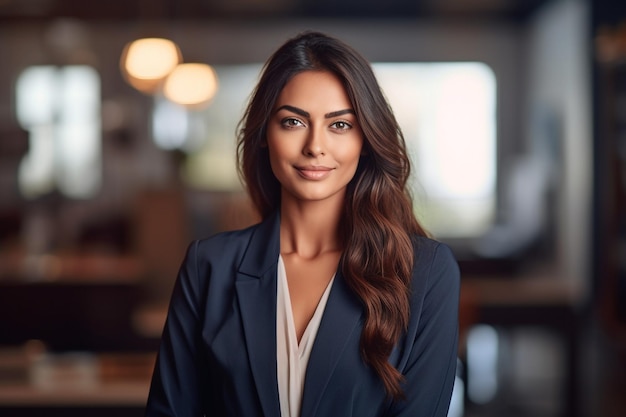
<point>292,358</point>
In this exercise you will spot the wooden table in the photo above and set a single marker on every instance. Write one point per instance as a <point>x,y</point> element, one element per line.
<point>104,384</point>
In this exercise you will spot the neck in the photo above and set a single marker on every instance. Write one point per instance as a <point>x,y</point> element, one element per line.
<point>309,228</point>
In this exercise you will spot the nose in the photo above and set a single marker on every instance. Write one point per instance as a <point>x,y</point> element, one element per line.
<point>314,145</point>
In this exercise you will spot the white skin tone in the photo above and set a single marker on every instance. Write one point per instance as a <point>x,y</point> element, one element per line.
<point>314,145</point>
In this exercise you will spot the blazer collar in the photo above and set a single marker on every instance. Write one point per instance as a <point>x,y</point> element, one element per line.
<point>256,291</point>
<point>263,249</point>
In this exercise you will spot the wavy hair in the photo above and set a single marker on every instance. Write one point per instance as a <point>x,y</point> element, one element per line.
<point>378,223</point>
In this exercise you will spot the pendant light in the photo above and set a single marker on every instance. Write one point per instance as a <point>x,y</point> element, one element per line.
<point>146,62</point>
<point>191,85</point>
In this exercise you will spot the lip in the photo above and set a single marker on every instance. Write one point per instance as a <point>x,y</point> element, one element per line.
<point>315,173</point>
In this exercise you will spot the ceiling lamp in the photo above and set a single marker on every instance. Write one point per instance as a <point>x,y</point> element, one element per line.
<point>146,62</point>
<point>191,85</point>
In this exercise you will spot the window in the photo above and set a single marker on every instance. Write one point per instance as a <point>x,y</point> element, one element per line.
<point>60,108</point>
<point>447,112</point>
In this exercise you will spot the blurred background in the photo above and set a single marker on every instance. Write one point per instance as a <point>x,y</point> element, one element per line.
<point>116,150</point>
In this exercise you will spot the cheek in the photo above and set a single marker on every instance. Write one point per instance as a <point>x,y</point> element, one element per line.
<point>351,153</point>
<point>273,148</point>
<point>278,154</point>
<point>279,158</point>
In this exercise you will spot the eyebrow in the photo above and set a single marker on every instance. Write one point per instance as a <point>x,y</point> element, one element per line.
<point>306,114</point>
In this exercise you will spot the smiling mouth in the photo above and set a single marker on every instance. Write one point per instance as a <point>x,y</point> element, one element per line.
<point>314,173</point>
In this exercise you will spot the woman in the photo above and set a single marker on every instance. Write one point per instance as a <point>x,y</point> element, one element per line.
<point>336,304</point>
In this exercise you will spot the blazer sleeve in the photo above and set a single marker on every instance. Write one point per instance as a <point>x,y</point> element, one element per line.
<point>179,374</point>
<point>431,368</point>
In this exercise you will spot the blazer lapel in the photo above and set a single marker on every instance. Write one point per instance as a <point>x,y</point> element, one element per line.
<point>256,292</point>
<point>340,320</point>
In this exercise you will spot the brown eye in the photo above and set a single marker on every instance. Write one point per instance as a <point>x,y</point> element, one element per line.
<point>291,122</point>
<point>341,125</point>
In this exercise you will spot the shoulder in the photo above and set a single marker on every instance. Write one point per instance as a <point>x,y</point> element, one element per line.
<point>212,261</point>
<point>228,238</point>
<point>224,245</point>
<point>435,266</point>
<point>429,253</point>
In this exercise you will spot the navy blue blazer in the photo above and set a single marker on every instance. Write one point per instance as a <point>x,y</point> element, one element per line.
<point>218,350</point>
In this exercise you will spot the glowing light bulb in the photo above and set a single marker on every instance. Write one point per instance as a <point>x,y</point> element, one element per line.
<point>146,62</point>
<point>191,84</point>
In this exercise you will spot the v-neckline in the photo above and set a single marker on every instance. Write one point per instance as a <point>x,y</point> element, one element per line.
<point>291,326</point>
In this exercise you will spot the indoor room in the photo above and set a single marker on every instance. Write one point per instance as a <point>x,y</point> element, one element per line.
<point>118,143</point>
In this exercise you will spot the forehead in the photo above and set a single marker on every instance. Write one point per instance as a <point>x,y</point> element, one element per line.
<point>314,88</point>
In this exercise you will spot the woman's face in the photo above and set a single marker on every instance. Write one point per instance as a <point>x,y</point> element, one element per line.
<point>313,138</point>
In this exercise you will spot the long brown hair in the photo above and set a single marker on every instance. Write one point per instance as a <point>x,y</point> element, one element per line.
<point>378,221</point>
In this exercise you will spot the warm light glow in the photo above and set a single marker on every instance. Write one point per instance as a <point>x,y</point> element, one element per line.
<point>146,62</point>
<point>191,84</point>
